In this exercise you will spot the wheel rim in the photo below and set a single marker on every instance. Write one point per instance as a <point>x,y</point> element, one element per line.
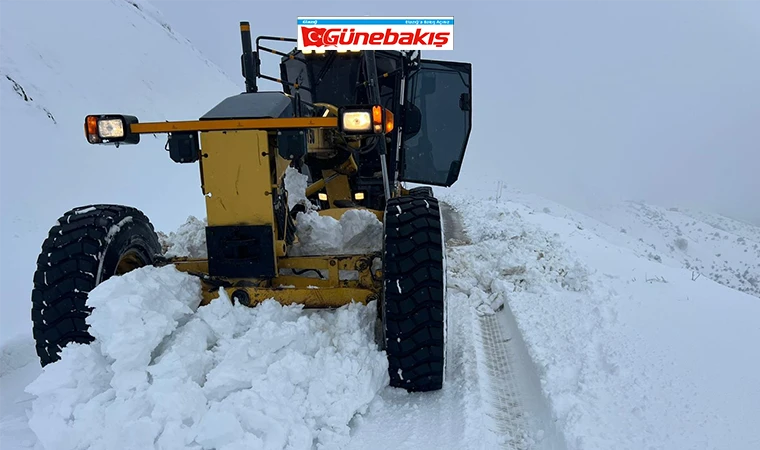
<point>129,261</point>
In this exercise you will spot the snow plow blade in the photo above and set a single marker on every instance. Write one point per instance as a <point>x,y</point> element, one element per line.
<point>312,281</point>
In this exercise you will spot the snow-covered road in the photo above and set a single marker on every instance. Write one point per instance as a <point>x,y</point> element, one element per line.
<point>485,404</point>
<point>490,399</point>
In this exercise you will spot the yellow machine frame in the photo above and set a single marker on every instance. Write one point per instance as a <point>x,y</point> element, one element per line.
<point>240,172</point>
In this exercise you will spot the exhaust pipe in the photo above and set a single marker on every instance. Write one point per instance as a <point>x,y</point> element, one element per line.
<point>249,60</point>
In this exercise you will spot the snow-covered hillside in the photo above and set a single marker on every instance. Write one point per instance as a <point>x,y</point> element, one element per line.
<point>60,61</point>
<point>720,248</point>
<point>709,245</point>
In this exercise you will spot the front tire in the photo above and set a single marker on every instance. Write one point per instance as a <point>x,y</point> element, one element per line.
<point>421,192</point>
<point>87,246</point>
<point>413,301</point>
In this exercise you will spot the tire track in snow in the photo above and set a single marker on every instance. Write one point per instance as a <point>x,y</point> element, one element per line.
<point>515,409</point>
<point>430,420</point>
<point>451,418</point>
<point>540,430</point>
<point>502,395</point>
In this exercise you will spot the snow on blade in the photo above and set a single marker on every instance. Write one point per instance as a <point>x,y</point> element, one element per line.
<point>225,377</point>
<point>357,232</point>
<point>189,240</point>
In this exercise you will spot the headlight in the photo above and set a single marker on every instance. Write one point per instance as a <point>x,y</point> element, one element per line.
<point>110,129</point>
<point>365,120</point>
<point>354,121</point>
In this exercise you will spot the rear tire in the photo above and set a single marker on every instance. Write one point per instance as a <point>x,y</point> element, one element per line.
<point>87,246</point>
<point>413,293</point>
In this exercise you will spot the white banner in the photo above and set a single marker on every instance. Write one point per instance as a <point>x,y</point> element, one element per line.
<point>375,33</point>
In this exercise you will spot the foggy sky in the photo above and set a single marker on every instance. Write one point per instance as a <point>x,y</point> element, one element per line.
<point>579,101</point>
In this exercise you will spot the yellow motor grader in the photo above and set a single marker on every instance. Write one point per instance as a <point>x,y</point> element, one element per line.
<point>357,123</point>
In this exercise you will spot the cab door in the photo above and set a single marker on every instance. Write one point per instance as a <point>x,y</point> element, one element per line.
<point>438,119</point>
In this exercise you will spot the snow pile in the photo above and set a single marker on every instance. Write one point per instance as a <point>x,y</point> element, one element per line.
<point>630,353</point>
<point>358,231</point>
<point>189,240</point>
<point>224,377</point>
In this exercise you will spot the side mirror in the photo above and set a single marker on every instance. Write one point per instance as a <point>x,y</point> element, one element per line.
<point>412,120</point>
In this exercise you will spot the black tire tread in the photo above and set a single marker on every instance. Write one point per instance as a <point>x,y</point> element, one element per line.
<point>66,272</point>
<point>421,191</point>
<point>414,318</point>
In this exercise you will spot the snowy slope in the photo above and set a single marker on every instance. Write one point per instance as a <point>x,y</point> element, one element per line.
<point>709,245</point>
<point>720,248</point>
<point>631,353</point>
<point>60,61</point>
